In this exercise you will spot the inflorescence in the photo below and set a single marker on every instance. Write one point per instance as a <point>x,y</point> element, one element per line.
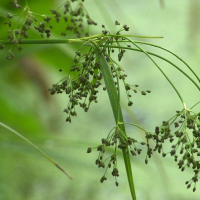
<point>118,140</point>
<point>15,4</point>
<point>85,78</point>
<point>82,85</point>
<point>73,18</point>
<point>185,139</point>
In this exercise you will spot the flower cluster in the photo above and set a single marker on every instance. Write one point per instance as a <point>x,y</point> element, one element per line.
<point>108,42</point>
<point>18,34</point>
<point>15,4</point>
<point>74,18</point>
<point>82,85</point>
<point>82,89</point>
<point>185,139</point>
<point>120,141</point>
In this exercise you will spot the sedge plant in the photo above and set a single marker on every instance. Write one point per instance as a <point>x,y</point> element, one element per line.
<point>95,64</point>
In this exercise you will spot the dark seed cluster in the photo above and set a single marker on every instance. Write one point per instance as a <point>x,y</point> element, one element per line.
<point>120,141</point>
<point>82,86</point>
<point>83,89</point>
<point>15,4</point>
<point>185,141</point>
<point>15,36</point>
<point>135,89</point>
<point>43,27</point>
<point>118,72</point>
<point>74,18</point>
<point>9,17</point>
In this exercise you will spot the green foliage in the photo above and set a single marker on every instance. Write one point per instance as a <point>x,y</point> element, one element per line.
<point>93,64</point>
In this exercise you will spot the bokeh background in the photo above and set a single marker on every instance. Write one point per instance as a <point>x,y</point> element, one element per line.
<point>27,106</point>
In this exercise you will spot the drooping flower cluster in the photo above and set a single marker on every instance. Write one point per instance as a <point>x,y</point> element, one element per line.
<point>185,139</point>
<point>82,89</point>
<point>120,141</point>
<point>82,85</point>
<point>15,4</point>
<point>74,19</point>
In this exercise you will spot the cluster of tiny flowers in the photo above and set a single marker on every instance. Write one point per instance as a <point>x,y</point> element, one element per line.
<point>15,4</point>
<point>117,71</point>
<point>41,23</point>
<point>83,85</point>
<point>83,89</point>
<point>16,35</point>
<point>185,139</point>
<point>120,141</point>
<point>74,18</point>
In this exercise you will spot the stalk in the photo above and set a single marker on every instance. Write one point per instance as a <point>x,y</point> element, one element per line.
<point>159,69</point>
<point>54,41</point>
<point>162,58</point>
<point>34,146</point>
<point>172,54</point>
<point>116,108</point>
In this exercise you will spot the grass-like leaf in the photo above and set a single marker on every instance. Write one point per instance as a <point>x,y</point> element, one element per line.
<point>114,101</point>
<point>34,146</point>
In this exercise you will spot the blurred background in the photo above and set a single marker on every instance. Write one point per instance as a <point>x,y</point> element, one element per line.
<point>27,106</point>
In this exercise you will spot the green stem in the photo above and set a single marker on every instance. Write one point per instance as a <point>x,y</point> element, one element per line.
<point>172,54</point>
<point>114,100</point>
<point>146,53</point>
<point>96,38</point>
<point>162,58</point>
<point>53,41</point>
<point>136,36</point>
<point>194,105</point>
<point>45,155</point>
<point>137,127</point>
<point>158,68</point>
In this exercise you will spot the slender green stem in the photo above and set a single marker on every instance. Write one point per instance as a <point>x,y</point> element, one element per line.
<point>29,142</point>
<point>69,41</point>
<point>141,50</point>
<point>136,36</point>
<point>46,41</point>
<point>54,41</point>
<point>194,105</point>
<point>162,58</point>
<point>136,126</point>
<point>146,53</point>
<point>158,68</point>
<point>172,54</point>
<point>95,37</point>
<point>114,100</point>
